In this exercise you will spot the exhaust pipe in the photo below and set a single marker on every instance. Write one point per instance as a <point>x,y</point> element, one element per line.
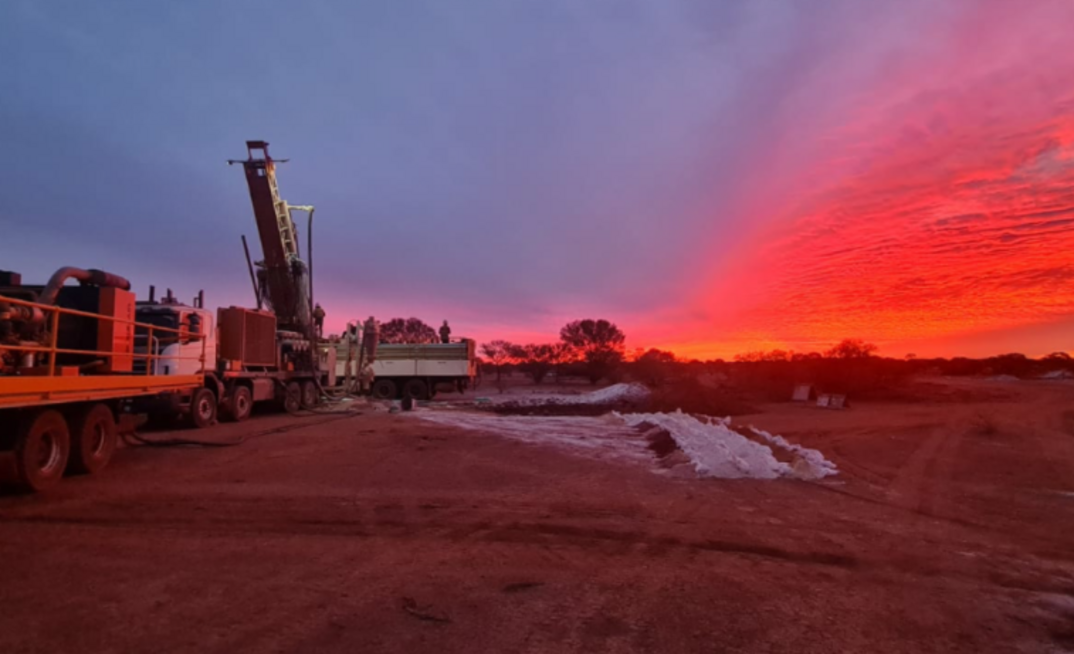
<point>85,278</point>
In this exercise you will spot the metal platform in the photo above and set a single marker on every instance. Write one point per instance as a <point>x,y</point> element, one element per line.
<point>18,392</point>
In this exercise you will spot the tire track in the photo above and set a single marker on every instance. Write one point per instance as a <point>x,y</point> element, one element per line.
<point>559,534</point>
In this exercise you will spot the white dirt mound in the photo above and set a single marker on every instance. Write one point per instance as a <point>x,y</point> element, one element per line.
<point>713,448</point>
<point>1058,374</point>
<point>610,395</point>
<point>716,450</point>
<point>595,436</point>
<point>811,464</point>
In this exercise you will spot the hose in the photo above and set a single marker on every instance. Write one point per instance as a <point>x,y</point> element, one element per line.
<point>84,277</point>
<point>134,439</point>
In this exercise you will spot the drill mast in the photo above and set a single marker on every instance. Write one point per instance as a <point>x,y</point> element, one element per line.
<point>283,277</point>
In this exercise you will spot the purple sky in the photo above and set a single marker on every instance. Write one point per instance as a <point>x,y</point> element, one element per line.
<point>506,165</point>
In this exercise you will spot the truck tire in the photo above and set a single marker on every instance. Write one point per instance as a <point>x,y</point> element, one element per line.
<point>202,411</point>
<point>240,404</point>
<point>384,389</point>
<point>42,446</point>
<point>311,397</point>
<point>416,388</point>
<point>292,397</point>
<point>93,439</point>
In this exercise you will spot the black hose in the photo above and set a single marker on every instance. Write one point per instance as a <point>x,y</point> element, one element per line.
<point>135,439</point>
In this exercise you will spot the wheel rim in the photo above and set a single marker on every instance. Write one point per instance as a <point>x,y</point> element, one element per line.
<point>205,408</point>
<point>48,452</point>
<point>242,405</point>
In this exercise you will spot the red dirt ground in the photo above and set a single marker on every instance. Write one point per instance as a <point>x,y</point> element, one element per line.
<point>949,529</point>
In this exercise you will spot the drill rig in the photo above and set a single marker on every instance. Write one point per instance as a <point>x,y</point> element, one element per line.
<point>270,353</point>
<point>282,281</point>
<point>267,353</point>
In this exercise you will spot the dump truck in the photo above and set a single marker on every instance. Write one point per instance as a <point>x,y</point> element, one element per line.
<point>71,372</point>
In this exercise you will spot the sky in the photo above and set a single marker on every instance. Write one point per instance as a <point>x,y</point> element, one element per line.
<point>713,176</point>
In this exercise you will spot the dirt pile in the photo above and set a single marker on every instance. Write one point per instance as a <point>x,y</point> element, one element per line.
<point>617,397</point>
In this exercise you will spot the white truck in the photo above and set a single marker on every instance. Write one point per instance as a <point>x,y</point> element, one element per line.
<point>417,370</point>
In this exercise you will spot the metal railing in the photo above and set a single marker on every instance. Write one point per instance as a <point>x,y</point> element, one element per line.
<point>52,350</point>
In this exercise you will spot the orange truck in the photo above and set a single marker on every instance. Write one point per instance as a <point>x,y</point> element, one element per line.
<point>71,371</point>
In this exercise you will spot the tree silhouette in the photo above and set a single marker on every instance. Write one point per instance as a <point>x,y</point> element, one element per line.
<point>409,330</point>
<point>600,344</point>
<point>652,367</point>
<point>499,353</point>
<point>536,360</point>
<point>851,348</point>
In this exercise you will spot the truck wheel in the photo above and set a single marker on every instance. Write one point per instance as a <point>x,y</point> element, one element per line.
<point>241,405</point>
<point>311,397</point>
<point>384,389</point>
<point>202,409</point>
<point>417,389</point>
<point>93,440</point>
<point>42,445</point>
<point>292,397</point>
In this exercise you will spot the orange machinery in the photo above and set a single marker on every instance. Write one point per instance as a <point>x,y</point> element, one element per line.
<point>67,373</point>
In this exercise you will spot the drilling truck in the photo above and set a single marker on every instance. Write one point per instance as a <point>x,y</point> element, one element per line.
<point>267,354</point>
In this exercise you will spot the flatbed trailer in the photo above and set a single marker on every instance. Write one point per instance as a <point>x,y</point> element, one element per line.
<point>63,404</point>
<point>417,370</point>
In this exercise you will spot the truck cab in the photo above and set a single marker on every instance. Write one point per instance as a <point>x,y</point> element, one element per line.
<point>180,353</point>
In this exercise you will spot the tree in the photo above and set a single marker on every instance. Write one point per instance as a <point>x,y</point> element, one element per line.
<point>600,344</point>
<point>499,353</point>
<point>653,366</point>
<point>851,348</point>
<point>562,354</point>
<point>410,330</point>
<point>536,360</point>
<point>774,355</point>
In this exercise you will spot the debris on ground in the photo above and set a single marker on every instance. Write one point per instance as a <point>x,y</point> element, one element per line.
<point>422,613</point>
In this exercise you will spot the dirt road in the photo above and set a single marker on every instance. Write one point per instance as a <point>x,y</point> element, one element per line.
<point>385,533</point>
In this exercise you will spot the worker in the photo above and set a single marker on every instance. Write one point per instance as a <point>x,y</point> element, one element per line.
<point>445,333</point>
<point>318,319</point>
